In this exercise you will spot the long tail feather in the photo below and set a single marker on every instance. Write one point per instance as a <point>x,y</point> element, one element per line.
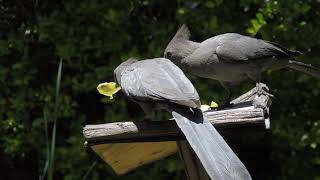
<point>306,68</point>
<point>214,153</point>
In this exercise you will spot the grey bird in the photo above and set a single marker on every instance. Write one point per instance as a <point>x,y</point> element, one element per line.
<point>160,84</point>
<point>232,58</point>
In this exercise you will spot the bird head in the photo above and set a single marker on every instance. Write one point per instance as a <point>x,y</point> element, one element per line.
<point>175,50</point>
<point>118,71</point>
<point>111,88</point>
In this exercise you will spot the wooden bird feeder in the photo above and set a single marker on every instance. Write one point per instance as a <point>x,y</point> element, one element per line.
<point>126,146</point>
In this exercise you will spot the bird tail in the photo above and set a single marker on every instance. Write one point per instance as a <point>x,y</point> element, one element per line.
<point>219,161</point>
<point>306,68</point>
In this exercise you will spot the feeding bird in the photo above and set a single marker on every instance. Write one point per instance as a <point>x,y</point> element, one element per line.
<point>232,58</point>
<point>160,84</point>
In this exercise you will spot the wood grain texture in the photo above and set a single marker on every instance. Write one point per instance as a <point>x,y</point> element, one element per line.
<point>168,130</point>
<point>128,145</point>
<point>192,165</point>
<point>124,157</point>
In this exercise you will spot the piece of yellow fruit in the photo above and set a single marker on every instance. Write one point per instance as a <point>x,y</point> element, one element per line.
<point>108,89</point>
<point>213,104</point>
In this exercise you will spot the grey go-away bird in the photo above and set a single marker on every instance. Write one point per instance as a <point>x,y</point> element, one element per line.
<point>160,84</point>
<point>232,58</point>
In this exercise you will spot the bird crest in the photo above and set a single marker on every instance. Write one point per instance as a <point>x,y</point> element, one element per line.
<point>182,33</point>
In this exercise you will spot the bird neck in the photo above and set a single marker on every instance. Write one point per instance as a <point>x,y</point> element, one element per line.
<point>188,47</point>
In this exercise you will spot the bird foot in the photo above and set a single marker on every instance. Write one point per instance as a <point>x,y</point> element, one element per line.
<point>262,90</point>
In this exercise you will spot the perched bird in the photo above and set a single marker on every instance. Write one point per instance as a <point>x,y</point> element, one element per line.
<point>160,84</point>
<point>232,58</point>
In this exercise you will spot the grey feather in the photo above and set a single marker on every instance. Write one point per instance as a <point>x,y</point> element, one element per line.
<point>160,83</point>
<point>183,32</point>
<point>121,68</point>
<point>221,163</point>
<point>306,68</point>
<point>161,80</point>
<point>232,58</point>
<point>247,49</point>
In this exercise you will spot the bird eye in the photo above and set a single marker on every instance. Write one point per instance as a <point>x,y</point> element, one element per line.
<point>168,55</point>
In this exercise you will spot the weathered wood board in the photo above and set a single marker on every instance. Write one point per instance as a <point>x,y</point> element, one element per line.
<point>134,151</point>
<point>124,157</point>
<point>128,145</point>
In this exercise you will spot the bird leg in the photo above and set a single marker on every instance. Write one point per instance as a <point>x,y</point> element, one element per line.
<point>228,86</point>
<point>149,117</point>
<point>148,109</point>
<point>259,86</point>
<point>226,104</point>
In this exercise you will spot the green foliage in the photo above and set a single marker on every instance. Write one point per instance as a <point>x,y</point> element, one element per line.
<point>94,36</point>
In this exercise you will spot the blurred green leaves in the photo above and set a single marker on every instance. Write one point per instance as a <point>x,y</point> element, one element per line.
<point>256,24</point>
<point>94,36</point>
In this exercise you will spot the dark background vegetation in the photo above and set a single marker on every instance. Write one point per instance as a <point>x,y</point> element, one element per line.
<point>92,37</point>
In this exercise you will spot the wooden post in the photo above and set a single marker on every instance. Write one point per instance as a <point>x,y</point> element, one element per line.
<point>191,163</point>
<point>151,141</point>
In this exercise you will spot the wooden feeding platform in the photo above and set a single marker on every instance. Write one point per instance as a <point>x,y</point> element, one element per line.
<point>128,145</point>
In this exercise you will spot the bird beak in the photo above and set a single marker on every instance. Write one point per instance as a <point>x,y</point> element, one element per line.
<point>108,89</point>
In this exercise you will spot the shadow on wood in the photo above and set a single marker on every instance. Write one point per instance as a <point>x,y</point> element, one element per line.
<point>124,157</point>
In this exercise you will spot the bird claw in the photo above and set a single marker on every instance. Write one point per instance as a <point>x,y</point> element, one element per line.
<point>262,90</point>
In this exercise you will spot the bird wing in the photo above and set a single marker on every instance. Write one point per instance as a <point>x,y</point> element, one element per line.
<point>247,48</point>
<point>206,53</point>
<point>161,80</point>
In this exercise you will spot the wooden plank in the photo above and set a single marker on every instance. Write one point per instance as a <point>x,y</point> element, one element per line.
<point>141,138</point>
<point>124,157</point>
<point>168,130</point>
<point>192,165</point>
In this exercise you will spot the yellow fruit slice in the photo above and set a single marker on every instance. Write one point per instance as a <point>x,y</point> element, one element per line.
<point>213,104</point>
<point>108,89</point>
